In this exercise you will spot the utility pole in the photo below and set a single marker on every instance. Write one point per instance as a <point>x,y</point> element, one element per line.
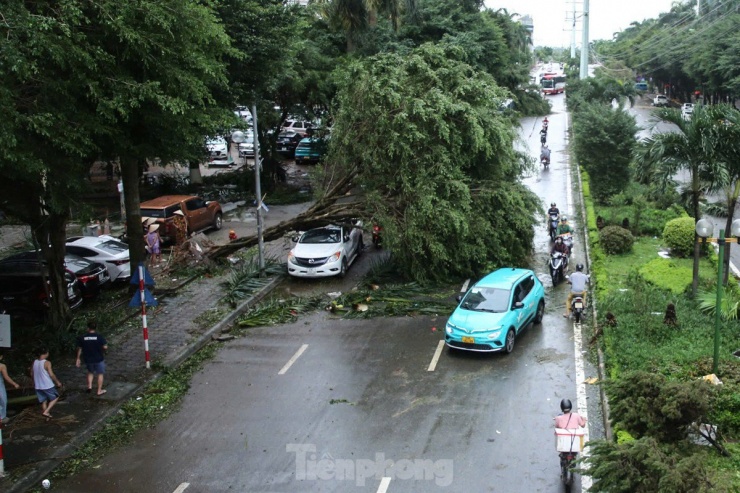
<point>573,35</point>
<point>584,42</point>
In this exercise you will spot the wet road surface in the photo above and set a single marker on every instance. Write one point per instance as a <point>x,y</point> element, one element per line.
<point>331,405</point>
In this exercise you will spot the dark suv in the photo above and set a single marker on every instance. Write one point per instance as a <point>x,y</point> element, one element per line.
<point>22,292</point>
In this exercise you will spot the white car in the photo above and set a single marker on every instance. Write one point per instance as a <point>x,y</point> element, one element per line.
<point>660,100</point>
<point>686,111</point>
<point>297,126</point>
<point>325,252</point>
<point>104,249</point>
<point>218,152</point>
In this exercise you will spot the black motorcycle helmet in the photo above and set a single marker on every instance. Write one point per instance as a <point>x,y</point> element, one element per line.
<point>565,405</point>
<point>552,204</point>
<point>579,267</point>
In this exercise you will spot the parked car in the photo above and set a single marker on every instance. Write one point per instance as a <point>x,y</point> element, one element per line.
<point>660,100</point>
<point>200,214</point>
<point>287,142</point>
<point>298,126</point>
<point>23,294</point>
<point>495,310</point>
<point>109,251</point>
<point>218,152</point>
<point>310,150</point>
<point>327,251</point>
<point>246,148</point>
<point>687,110</point>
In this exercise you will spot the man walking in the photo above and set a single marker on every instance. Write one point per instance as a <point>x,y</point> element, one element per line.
<point>92,347</point>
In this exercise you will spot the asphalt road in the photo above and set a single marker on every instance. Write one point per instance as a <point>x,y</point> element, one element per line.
<point>331,405</point>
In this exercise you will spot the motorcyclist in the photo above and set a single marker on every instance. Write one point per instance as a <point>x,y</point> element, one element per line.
<point>578,281</point>
<point>559,246</point>
<point>569,420</point>
<point>553,210</point>
<point>545,153</point>
<point>545,123</point>
<point>564,227</point>
<point>543,136</point>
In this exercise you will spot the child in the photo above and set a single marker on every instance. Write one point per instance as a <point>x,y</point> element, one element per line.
<point>42,378</point>
<point>153,241</point>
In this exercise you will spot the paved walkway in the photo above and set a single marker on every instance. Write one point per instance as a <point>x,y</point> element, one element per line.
<point>33,446</point>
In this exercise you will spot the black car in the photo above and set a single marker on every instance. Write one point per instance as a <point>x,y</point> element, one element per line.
<point>92,276</point>
<point>287,142</point>
<point>23,293</point>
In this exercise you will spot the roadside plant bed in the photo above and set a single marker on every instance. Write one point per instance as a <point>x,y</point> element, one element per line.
<point>158,400</point>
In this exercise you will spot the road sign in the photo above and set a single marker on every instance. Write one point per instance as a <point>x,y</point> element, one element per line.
<point>4,330</point>
<point>148,280</point>
<point>148,298</point>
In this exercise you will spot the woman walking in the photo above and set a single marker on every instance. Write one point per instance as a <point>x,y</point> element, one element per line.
<point>3,393</point>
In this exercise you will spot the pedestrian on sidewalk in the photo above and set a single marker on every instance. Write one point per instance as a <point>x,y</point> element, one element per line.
<point>43,380</point>
<point>154,242</point>
<point>3,393</point>
<point>92,347</point>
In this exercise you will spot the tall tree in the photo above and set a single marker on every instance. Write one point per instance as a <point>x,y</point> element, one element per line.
<point>662,156</point>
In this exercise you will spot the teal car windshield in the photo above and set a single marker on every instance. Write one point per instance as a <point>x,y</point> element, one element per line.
<point>486,300</point>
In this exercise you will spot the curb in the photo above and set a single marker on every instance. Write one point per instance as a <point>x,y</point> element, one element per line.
<point>599,352</point>
<point>63,453</point>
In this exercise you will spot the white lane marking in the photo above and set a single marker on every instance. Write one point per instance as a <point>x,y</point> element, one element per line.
<point>436,356</point>
<point>465,286</point>
<point>582,405</point>
<point>181,488</point>
<point>292,360</point>
<point>383,488</point>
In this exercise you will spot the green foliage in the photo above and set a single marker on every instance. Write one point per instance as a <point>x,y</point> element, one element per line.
<point>623,436</point>
<point>604,140</point>
<point>730,307</point>
<point>650,219</point>
<point>648,404</point>
<point>278,311</point>
<point>667,274</point>
<point>615,240</point>
<point>726,409</point>
<point>679,235</point>
<point>245,278</point>
<point>647,466</point>
<point>397,114</point>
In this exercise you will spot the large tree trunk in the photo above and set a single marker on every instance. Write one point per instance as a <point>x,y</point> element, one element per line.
<point>195,176</point>
<point>50,235</point>
<point>130,177</point>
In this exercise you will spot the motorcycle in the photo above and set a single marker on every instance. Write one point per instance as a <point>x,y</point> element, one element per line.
<point>543,137</point>
<point>545,161</point>
<point>553,226</point>
<point>569,444</point>
<point>567,462</point>
<point>558,264</point>
<point>576,308</point>
<point>377,240</point>
<point>568,240</point>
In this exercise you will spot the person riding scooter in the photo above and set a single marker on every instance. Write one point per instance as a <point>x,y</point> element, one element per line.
<point>569,420</point>
<point>578,281</point>
<point>564,227</point>
<point>543,136</point>
<point>559,246</point>
<point>545,155</point>
<point>553,209</point>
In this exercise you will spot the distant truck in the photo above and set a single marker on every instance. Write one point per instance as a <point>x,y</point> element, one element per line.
<point>200,214</point>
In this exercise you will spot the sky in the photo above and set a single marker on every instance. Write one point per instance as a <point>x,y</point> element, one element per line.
<point>607,17</point>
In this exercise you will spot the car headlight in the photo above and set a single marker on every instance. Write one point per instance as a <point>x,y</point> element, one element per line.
<point>291,256</point>
<point>335,257</point>
<point>448,329</point>
<point>495,333</point>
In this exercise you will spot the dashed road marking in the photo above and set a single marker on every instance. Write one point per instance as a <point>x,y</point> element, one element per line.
<point>436,356</point>
<point>384,483</point>
<point>181,488</point>
<point>292,360</point>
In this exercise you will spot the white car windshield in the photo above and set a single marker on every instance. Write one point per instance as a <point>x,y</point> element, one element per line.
<point>321,235</point>
<point>486,300</point>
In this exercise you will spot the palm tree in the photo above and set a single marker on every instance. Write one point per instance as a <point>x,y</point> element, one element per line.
<point>725,134</point>
<point>354,17</point>
<point>691,149</point>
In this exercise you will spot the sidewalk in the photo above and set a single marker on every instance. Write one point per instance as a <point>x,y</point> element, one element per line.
<point>34,447</point>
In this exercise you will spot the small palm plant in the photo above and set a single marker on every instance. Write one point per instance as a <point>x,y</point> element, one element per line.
<point>730,306</point>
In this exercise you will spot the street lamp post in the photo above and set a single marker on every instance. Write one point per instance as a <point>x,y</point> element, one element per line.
<point>704,229</point>
<point>239,138</point>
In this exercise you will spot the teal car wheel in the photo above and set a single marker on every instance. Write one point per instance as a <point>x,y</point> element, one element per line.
<point>540,312</point>
<point>509,343</point>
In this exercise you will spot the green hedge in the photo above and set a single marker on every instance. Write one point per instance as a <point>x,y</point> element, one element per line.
<point>678,235</point>
<point>667,274</point>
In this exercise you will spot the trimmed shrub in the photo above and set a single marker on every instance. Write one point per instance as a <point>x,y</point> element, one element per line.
<point>666,274</point>
<point>678,235</point>
<point>615,240</point>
